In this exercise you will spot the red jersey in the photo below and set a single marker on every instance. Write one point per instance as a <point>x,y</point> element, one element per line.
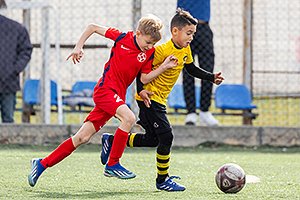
<point>125,62</point>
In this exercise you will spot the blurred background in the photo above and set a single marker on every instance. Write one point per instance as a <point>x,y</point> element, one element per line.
<point>256,43</point>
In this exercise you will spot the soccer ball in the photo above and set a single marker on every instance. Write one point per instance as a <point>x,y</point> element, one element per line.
<point>230,178</point>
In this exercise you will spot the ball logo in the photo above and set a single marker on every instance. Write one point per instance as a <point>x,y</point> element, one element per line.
<point>226,183</point>
<point>141,57</point>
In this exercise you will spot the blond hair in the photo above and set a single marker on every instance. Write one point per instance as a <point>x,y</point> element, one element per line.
<point>150,25</point>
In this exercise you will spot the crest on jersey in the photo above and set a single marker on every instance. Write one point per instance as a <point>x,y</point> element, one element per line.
<point>184,58</point>
<point>141,57</point>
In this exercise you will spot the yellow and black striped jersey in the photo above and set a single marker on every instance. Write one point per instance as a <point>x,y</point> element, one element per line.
<point>163,84</point>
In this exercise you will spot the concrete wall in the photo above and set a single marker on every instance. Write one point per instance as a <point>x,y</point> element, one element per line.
<point>185,136</point>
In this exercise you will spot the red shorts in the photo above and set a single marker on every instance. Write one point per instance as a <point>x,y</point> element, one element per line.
<point>106,104</point>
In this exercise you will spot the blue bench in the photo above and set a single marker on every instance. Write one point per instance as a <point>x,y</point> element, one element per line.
<point>31,98</point>
<point>227,97</point>
<point>235,97</point>
<point>31,92</point>
<point>176,98</point>
<point>81,96</point>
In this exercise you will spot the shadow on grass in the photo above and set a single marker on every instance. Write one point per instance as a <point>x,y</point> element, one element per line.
<point>90,194</point>
<point>145,194</point>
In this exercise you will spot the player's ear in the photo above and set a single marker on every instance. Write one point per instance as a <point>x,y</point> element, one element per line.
<point>138,33</point>
<point>174,30</point>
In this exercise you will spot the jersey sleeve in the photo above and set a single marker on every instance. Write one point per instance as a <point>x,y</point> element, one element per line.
<point>189,55</point>
<point>147,67</point>
<point>159,56</point>
<point>112,33</point>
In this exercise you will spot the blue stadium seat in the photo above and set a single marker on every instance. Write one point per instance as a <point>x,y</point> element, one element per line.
<point>176,97</point>
<point>233,97</point>
<point>53,89</point>
<point>31,92</point>
<point>81,95</point>
<point>79,86</point>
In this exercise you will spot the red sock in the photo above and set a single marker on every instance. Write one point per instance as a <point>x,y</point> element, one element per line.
<point>61,152</point>
<point>118,147</point>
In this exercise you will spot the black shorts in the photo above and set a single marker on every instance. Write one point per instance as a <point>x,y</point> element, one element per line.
<point>154,119</point>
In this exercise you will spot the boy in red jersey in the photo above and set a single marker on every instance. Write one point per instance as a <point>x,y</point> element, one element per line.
<point>130,55</point>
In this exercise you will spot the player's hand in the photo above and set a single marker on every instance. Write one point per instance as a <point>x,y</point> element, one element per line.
<point>76,55</point>
<point>170,62</point>
<point>218,78</point>
<point>145,95</point>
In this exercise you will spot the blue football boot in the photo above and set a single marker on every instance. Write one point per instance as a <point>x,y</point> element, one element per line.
<point>36,170</point>
<point>169,185</point>
<point>118,171</point>
<point>106,147</point>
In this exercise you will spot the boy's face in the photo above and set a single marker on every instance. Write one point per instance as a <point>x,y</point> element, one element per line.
<point>145,42</point>
<point>184,36</point>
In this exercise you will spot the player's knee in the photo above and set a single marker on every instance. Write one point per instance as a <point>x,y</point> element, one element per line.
<point>153,143</point>
<point>129,120</point>
<point>165,143</point>
<point>166,138</point>
<point>83,140</point>
<point>80,139</point>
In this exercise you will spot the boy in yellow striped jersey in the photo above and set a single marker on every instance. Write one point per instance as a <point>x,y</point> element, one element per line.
<point>152,98</point>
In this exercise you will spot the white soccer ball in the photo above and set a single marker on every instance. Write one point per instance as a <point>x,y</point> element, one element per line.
<point>230,178</point>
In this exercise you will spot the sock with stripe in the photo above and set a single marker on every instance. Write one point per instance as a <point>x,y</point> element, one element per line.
<point>131,138</point>
<point>142,140</point>
<point>162,164</point>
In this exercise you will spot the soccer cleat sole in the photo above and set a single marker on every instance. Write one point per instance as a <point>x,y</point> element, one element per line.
<point>112,174</point>
<point>170,189</point>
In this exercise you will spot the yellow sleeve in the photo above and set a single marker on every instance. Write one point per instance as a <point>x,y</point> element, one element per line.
<point>189,56</point>
<point>158,56</point>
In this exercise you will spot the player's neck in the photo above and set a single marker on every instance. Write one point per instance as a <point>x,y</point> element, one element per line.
<point>176,45</point>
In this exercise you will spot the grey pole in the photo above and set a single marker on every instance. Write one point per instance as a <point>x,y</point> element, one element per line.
<point>247,50</point>
<point>45,76</point>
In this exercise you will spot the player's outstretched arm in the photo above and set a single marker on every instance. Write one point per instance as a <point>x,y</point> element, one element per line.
<point>203,74</point>
<point>170,62</point>
<point>77,52</point>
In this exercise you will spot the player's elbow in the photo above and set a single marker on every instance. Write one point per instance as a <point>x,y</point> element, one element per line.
<point>92,27</point>
<point>145,79</point>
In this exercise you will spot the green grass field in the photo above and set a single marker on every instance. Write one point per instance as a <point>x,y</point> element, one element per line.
<point>80,175</point>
